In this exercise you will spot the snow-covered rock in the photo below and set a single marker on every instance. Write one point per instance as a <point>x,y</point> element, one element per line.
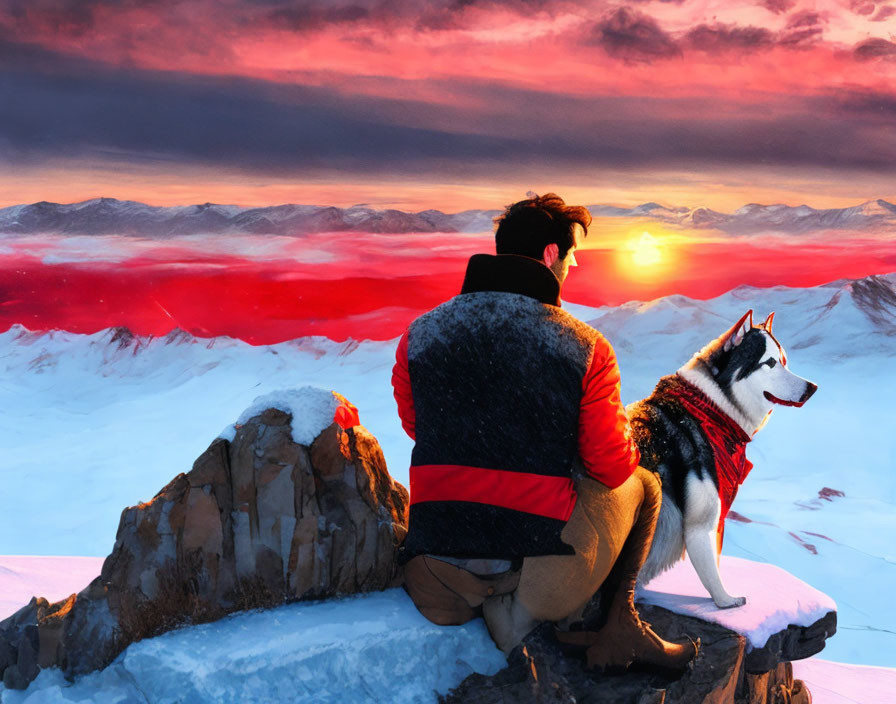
<point>311,409</point>
<point>776,600</point>
<point>367,648</point>
<point>294,504</point>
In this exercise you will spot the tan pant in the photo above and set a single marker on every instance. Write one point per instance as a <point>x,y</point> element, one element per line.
<point>448,595</point>
<point>558,587</point>
<point>550,587</point>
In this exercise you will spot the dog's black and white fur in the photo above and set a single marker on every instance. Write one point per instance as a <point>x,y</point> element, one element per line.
<point>744,373</point>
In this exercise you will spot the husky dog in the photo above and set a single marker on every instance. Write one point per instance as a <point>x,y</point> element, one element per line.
<point>693,430</point>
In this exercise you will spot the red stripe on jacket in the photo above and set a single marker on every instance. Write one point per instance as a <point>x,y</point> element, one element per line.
<point>552,497</point>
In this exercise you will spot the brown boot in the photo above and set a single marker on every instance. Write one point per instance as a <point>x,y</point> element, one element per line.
<point>625,638</point>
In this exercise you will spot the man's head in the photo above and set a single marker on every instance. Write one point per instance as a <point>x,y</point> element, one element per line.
<point>543,228</point>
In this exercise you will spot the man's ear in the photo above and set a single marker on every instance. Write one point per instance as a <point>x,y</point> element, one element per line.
<point>551,254</point>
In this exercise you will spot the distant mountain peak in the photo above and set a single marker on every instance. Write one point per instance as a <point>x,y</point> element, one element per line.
<point>178,335</point>
<point>106,215</point>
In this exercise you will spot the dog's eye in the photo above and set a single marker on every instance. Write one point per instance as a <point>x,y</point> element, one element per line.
<point>770,362</point>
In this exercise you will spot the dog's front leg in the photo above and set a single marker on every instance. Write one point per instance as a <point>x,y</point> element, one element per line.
<point>701,547</point>
<point>701,519</point>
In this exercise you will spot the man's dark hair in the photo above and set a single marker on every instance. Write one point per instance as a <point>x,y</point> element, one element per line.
<point>530,225</point>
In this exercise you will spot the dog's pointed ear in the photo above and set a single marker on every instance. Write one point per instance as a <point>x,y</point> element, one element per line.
<point>737,331</point>
<point>768,322</point>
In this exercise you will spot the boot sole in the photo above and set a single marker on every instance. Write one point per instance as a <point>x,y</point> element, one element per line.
<point>666,671</point>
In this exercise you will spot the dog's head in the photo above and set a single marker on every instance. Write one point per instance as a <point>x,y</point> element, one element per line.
<point>748,366</point>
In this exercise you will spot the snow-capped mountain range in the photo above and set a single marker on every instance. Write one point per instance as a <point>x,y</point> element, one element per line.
<point>110,216</point>
<point>102,216</point>
<point>873,215</point>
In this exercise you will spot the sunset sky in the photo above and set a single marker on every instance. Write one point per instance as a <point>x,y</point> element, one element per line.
<point>452,105</point>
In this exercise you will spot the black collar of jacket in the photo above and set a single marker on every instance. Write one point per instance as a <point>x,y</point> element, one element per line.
<point>512,273</point>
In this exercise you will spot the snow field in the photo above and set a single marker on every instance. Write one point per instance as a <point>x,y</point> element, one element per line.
<point>91,426</point>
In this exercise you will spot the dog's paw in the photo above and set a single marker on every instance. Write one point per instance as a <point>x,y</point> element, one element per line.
<point>734,602</point>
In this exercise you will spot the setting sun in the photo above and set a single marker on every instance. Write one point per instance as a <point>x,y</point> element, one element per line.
<point>645,251</point>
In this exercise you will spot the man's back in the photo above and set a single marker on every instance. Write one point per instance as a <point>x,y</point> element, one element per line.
<point>496,381</point>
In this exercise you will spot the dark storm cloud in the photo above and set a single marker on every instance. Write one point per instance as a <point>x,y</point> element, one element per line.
<point>440,14</point>
<point>861,7</point>
<point>633,36</point>
<point>883,13</point>
<point>92,112</point>
<point>421,14</point>
<point>636,37</point>
<point>806,18</point>
<point>875,48</point>
<point>802,28</point>
<point>625,33</point>
<point>778,6</point>
<point>241,123</point>
<point>45,20</point>
<point>68,17</point>
<point>304,17</point>
<point>720,37</point>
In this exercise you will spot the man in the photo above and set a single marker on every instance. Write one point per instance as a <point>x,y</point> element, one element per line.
<point>505,394</point>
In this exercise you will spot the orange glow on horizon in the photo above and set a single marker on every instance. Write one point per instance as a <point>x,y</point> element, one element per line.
<point>369,287</point>
<point>68,181</point>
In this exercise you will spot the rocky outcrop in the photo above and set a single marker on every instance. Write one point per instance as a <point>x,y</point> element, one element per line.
<point>793,643</point>
<point>540,670</point>
<point>259,520</point>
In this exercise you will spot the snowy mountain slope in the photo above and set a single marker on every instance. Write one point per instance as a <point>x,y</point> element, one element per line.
<point>102,216</point>
<point>93,423</point>
<point>839,320</point>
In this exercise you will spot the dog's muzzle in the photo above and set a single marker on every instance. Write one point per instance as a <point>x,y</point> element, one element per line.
<point>807,394</point>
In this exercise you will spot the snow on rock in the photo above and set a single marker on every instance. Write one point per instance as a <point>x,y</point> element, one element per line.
<point>312,410</point>
<point>371,648</point>
<point>775,598</point>
<point>257,522</point>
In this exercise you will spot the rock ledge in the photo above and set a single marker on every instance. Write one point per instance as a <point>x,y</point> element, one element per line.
<point>260,520</point>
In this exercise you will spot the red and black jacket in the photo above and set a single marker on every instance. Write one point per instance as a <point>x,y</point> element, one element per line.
<point>502,390</point>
